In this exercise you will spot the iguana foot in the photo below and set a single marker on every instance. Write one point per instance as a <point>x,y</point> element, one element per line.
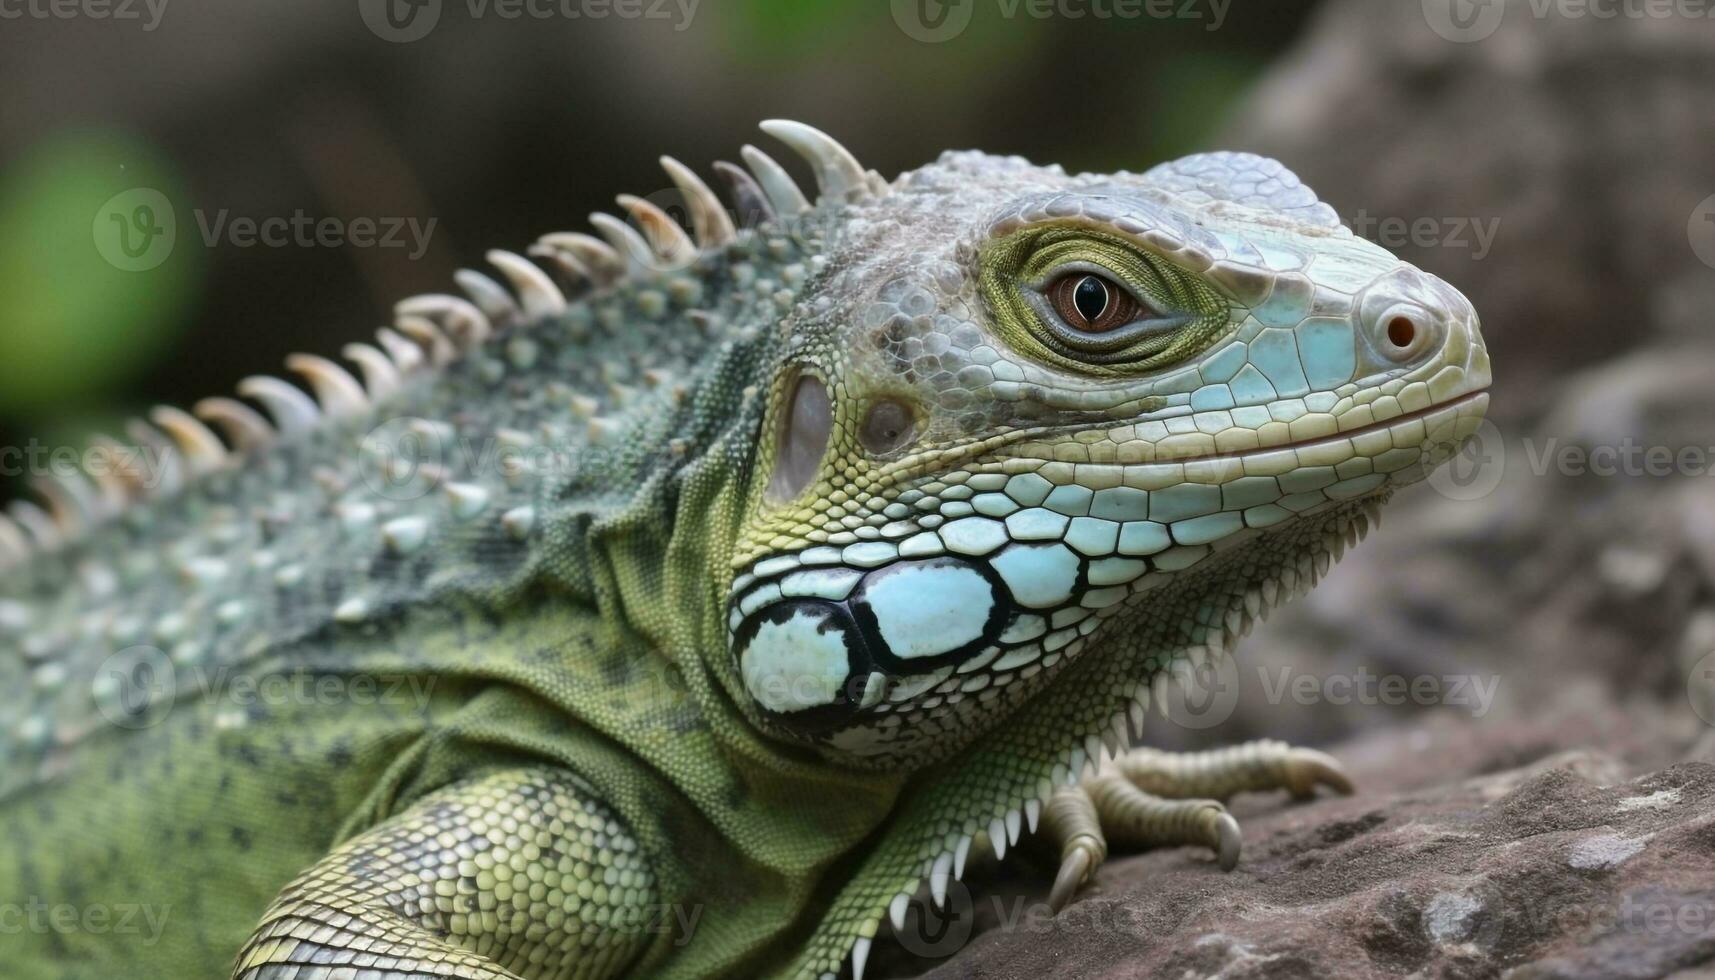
<point>1149,798</point>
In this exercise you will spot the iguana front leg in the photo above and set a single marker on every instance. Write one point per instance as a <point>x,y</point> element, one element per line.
<point>1149,798</point>
<point>521,874</point>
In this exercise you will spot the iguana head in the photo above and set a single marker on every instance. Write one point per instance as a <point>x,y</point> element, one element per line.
<point>1020,413</point>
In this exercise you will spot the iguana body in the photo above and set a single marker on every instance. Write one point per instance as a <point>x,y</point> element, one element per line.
<point>680,628</point>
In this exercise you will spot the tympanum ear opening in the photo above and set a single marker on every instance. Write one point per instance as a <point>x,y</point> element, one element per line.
<point>806,425</point>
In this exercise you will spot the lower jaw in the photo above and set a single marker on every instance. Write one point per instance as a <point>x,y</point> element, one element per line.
<point>1101,700</point>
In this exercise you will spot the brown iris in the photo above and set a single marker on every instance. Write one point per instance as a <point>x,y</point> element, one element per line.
<point>1092,303</point>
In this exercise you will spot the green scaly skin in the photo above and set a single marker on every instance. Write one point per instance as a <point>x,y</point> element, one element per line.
<point>571,652</point>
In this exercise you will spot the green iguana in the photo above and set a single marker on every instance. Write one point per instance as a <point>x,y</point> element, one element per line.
<point>693,606</point>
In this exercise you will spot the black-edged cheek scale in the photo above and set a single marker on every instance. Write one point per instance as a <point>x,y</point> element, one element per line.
<point>822,644</point>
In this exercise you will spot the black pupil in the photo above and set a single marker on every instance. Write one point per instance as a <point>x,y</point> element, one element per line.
<point>1091,298</point>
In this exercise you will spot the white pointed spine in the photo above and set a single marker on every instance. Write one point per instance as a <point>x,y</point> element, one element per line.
<point>639,256</point>
<point>604,264</point>
<point>339,394</point>
<point>407,357</point>
<point>782,191</point>
<point>113,479</point>
<point>44,534</point>
<point>69,501</point>
<point>489,296</point>
<point>404,535</point>
<point>172,469</point>
<point>466,500</point>
<point>428,336</point>
<point>519,522</point>
<point>708,218</point>
<point>468,325</point>
<point>353,610</point>
<point>202,449</point>
<point>539,295</point>
<point>380,374</point>
<point>567,266</point>
<point>14,546</point>
<point>666,239</point>
<point>838,174</point>
<point>293,411</point>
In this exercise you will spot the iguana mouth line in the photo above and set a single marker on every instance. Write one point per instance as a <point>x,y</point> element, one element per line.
<point>1323,440</point>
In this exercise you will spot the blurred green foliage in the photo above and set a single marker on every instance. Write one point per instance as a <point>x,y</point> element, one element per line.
<point>77,324</point>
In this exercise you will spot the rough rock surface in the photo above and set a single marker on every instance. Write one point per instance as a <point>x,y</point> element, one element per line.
<point>1455,861</point>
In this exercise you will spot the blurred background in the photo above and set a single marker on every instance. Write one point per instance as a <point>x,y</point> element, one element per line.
<point>495,128</point>
<point>1553,159</point>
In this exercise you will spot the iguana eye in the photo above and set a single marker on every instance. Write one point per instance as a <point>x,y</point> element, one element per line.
<point>1095,303</point>
<point>1092,303</point>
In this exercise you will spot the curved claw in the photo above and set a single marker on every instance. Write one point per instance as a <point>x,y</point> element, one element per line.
<point>1230,841</point>
<point>1075,865</point>
<point>1307,769</point>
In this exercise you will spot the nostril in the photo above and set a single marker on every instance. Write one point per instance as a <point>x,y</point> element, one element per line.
<point>1401,332</point>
